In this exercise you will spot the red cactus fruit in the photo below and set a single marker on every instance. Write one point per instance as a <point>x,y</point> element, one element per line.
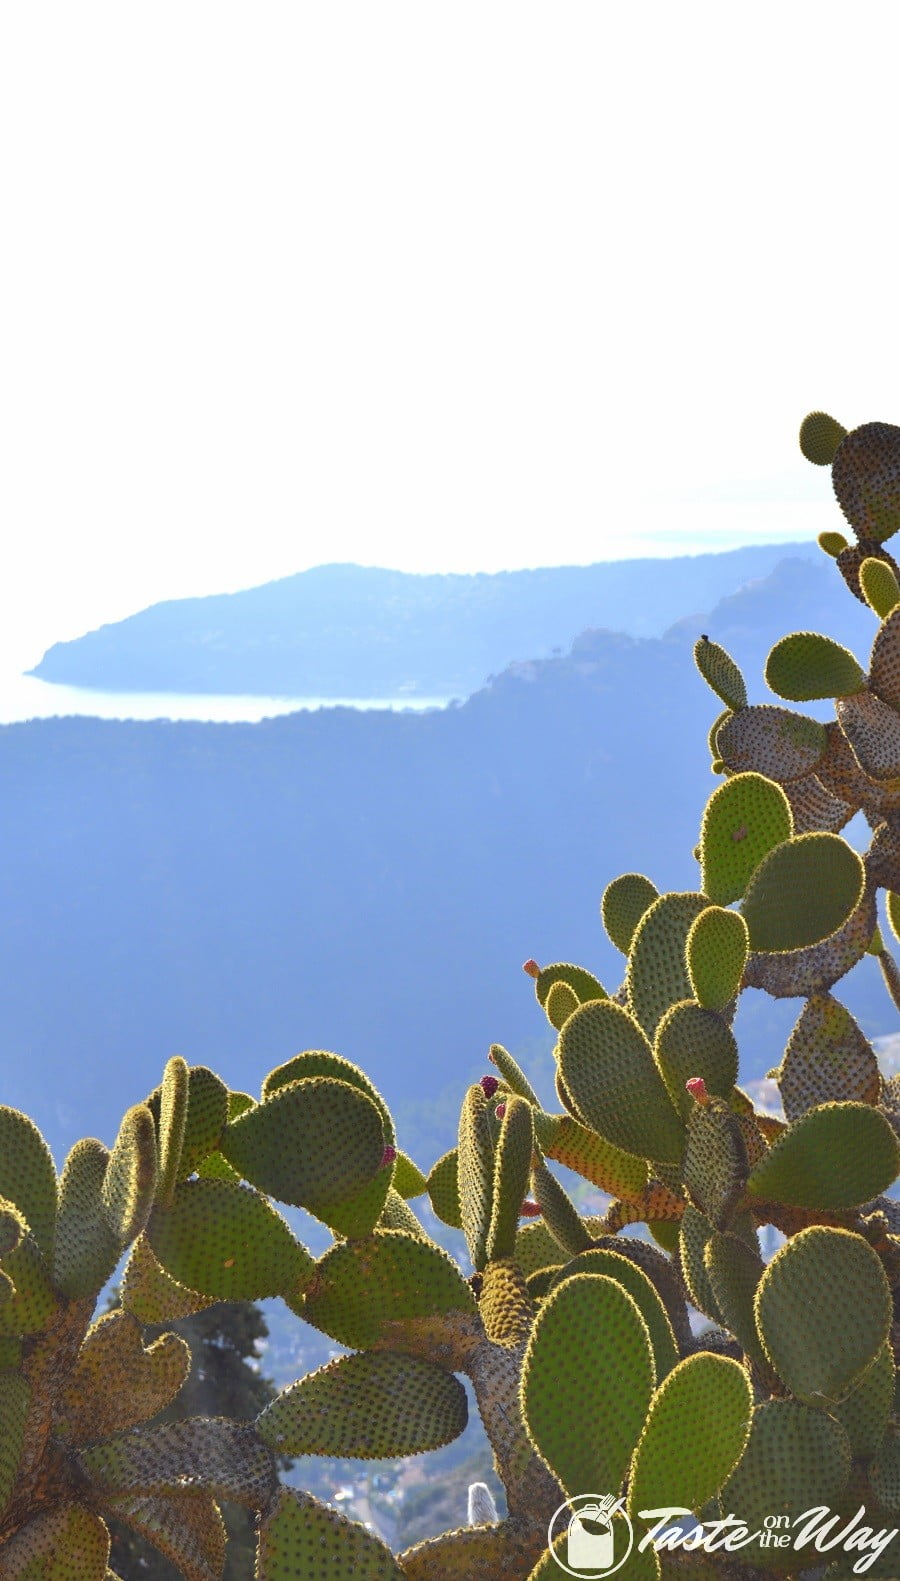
<point>489,1085</point>
<point>696,1086</point>
<point>532,968</point>
<point>388,1156</point>
<point>500,1110</point>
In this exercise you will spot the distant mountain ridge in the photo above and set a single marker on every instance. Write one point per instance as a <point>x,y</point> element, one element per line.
<point>354,631</point>
<point>365,882</point>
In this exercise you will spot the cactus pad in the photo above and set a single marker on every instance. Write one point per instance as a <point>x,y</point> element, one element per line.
<point>802,892</point>
<point>866,478</point>
<point>805,666</point>
<point>186,1528</point>
<point>28,1176</point>
<point>715,1160</point>
<point>820,437</point>
<point>823,1312</point>
<point>15,1395</point>
<point>695,1433</point>
<point>537,1249</point>
<point>561,1001</point>
<point>116,1381</point>
<point>607,1065</point>
<point>734,1269</point>
<point>586,1382</point>
<point>86,1250</point>
<point>590,1155</point>
<point>561,1216</point>
<point>511,1071</point>
<point>865,1413</point>
<point>443,1189</point>
<point>408,1178</point>
<point>717,948</point>
<point>657,972</point>
<point>602,1260</point>
<point>129,1185</point>
<point>837,1155</point>
<point>721,673</point>
<point>880,587</point>
<point>827,1058</point>
<point>884,666</point>
<point>300,1537</point>
<point>772,741</point>
<point>506,1303</point>
<point>796,1460</point>
<point>872,728</point>
<point>624,903</point>
<point>66,1544</point>
<point>152,1294</point>
<point>512,1172</point>
<point>745,819</point>
<point>367,1290</point>
<point>582,982</point>
<point>227,1241</point>
<point>476,1173</point>
<point>368,1406</point>
<point>690,1042</point>
<point>35,1302</point>
<point>319,1062</point>
<point>221,1457</point>
<point>173,1109</point>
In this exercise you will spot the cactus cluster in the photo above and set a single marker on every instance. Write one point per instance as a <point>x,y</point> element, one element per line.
<point>577,1340</point>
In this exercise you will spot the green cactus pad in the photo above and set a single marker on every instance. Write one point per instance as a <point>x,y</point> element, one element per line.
<point>624,903</point>
<point>560,1003</point>
<point>884,665</point>
<point>602,1260</point>
<point>696,1233</point>
<point>691,1041</point>
<point>505,1304</point>
<point>368,1406</point>
<point>582,982</point>
<point>827,1059</point>
<point>823,1313</point>
<point>772,741</point>
<point>117,1381</point>
<point>313,1142</point>
<point>408,1178</point>
<point>884,1472</point>
<point>880,587</point>
<point>717,948</point>
<point>173,1109</point>
<point>715,1160</point>
<point>28,1175</point>
<point>15,1396</point>
<point>378,1287</point>
<point>187,1529</point>
<point>734,1269</point>
<point>695,1433</point>
<point>657,972</point>
<point>865,1413</point>
<point>86,1250</point>
<point>35,1302</point>
<point>152,1294</point>
<point>802,892</point>
<point>227,1241</point>
<point>211,1454</point>
<point>796,1460</point>
<point>744,820</point>
<point>537,1248</point>
<point>820,438</point>
<point>872,728</point>
<point>443,1189</point>
<point>397,1215</point>
<point>721,673</point>
<point>319,1062</point>
<point>805,666</point>
<point>512,1073</point>
<point>358,1213</point>
<point>866,478</point>
<point>607,1065</point>
<point>833,543</point>
<point>838,1155</point>
<point>512,1172</point>
<point>561,1216</point>
<point>587,1380</point>
<point>476,1173</point>
<point>590,1155</point>
<point>208,1112</point>
<point>300,1538</point>
<point>70,1543</point>
<point>130,1182</point>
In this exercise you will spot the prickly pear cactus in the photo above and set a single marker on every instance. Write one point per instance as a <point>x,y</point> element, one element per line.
<point>589,1373</point>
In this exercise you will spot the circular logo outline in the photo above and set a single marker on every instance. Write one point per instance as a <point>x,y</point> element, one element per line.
<point>571,1505</point>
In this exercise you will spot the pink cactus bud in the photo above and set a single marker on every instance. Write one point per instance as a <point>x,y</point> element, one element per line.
<point>500,1110</point>
<point>697,1089</point>
<point>529,1210</point>
<point>532,968</point>
<point>388,1156</point>
<point>489,1085</point>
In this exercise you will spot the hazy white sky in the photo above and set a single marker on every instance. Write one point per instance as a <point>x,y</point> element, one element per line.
<point>432,286</point>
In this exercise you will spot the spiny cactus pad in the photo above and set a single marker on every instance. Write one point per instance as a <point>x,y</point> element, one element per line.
<point>607,1065</point>
<point>802,892</point>
<point>745,819</point>
<point>720,672</point>
<point>805,666</point>
<point>820,437</point>
<point>506,1303</point>
<point>715,1164</point>
<point>28,1176</point>
<point>602,1260</point>
<point>443,1189</point>
<point>66,1544</point>
<point>560,1002</point>
<point>865,1413</point>
<point>227,1241</point>
<point>866,478</point>
<point>15,1395</point>
<point>872,728</point>
<point>87,1249</point>
<point>772,741</point>
<point>696,1429</point>
<point>511,1071</point>
<point>186,1528</point>
<point>837,1155</point>
<point>582,982</point>
<point>129,1185</point>
<point>300,1537</point>
<point>368,1406</point>
<point>590,1155</point>
<point>827,1058</point>
<point>35,1302</point>
<point>586,1382</point>
<point>796,1460</point>
<point>657,972</point>
<point>476,1173</point>
<point>884,665</point>
<point>152,1294</point>
<point>691,1041</point>
<point>173,1109</point>
<point>212,1454</point>
<point>880,587</point>
<point>717,949</point>
<point>365,1289</point>
<point>823,1312</point>
<point>734,1269</point>
<point>320,1062</point>
<point>624,903</point>
<point>561,1216</point>
<point>512,1172</point>
<point>117,1381</point>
